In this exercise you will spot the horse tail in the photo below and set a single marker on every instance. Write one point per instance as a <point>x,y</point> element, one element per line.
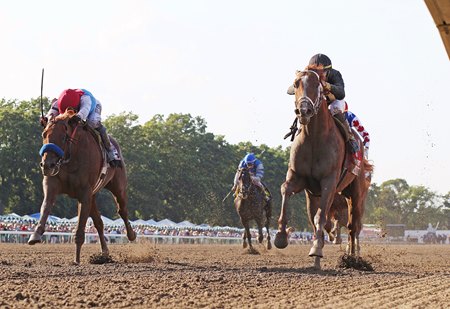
<point>367,166</point>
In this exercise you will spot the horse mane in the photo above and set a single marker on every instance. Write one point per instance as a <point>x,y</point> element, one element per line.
<point>69,113</point>
<point>316,68</point>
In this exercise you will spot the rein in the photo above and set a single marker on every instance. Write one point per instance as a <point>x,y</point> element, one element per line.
<point>315,105</point>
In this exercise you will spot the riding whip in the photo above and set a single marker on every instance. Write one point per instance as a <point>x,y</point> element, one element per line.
<point>42,87</point>
<point>227,196</point>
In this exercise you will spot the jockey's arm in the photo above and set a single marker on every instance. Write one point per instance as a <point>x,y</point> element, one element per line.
<point>85,107</point>
<point>337,84</point>
<point>53,111</point>
<point>259,171</point>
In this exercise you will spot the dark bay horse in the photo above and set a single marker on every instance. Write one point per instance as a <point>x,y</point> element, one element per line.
<point>250,204</point>
<point>73,164</point>
<point>316,164</point>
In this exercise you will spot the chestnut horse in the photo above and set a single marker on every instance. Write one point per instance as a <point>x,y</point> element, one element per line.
<point>337,218</point>
<point>316,163</point>
<point>250,205</point>
<point>73,163</point>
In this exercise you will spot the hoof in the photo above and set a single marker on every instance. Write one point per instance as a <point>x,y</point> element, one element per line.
<point>269,245</point>
<point>331,237</point>
<point>316,252</point>
<point>281,240</point>
<point>337,241</point>
<point>131,236</point>
<point>34,239</point>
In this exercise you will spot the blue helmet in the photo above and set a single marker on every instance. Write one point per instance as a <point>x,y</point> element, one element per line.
<point>249,158</point>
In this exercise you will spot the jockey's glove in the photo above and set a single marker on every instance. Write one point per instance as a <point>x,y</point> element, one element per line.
<point>75,119</point>
<point>44,121</point>
<point>330,97</point>
<point>326,86</point>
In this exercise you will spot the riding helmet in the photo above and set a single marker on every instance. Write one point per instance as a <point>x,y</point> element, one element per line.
<point>69,98</point>
<point>321,59</point>
<point>249,158</point>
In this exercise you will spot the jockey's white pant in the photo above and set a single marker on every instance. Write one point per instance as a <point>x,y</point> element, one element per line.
<point>337,106</point>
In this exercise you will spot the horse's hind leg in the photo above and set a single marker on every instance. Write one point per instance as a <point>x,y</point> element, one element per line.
<point>98,223</point>
<point>120,196</point>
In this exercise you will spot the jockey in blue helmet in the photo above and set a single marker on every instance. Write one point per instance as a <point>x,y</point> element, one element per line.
<point>256,169</point>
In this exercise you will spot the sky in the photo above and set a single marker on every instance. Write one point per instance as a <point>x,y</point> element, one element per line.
<point>231,62</point>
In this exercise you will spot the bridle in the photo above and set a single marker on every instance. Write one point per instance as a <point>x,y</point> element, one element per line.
<point>305,100</point>
<point>63,154</point>
<point>244,186</point>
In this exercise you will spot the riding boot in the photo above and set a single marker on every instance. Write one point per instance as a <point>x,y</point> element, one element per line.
<point>354,145</point>
<point>107,143</point>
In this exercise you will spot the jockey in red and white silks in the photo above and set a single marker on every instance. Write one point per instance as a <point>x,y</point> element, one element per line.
<point>341,106</point>
<point>88,108</point>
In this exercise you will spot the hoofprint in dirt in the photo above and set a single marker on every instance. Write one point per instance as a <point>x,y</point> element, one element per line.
<point>223,276</point>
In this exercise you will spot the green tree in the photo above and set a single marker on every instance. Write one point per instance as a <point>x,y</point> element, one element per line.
<point>20,178</point>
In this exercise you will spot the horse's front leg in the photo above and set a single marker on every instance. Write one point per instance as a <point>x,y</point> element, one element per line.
<point>84,209</point>
<point>247,237</point>
<point>291,186</point>
<point>50,187</point>
<point>260,232</point>
<point>98,223</point>
<point>320,218</point>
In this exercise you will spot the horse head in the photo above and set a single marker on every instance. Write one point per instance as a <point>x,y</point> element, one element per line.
<point>57,138</point>
<point>245,183</point>
<point>308,94</point>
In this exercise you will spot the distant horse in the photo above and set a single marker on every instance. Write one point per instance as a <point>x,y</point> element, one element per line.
<point>250,204</point>
<point>73,163</point>
<point>317,158</point>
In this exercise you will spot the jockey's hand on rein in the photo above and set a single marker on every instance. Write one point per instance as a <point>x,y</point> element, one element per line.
<point>326,86</point>
<point>75,119</point>
<point>43,121</point>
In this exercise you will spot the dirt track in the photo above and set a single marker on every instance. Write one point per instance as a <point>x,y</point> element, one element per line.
<point>221,276</point>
